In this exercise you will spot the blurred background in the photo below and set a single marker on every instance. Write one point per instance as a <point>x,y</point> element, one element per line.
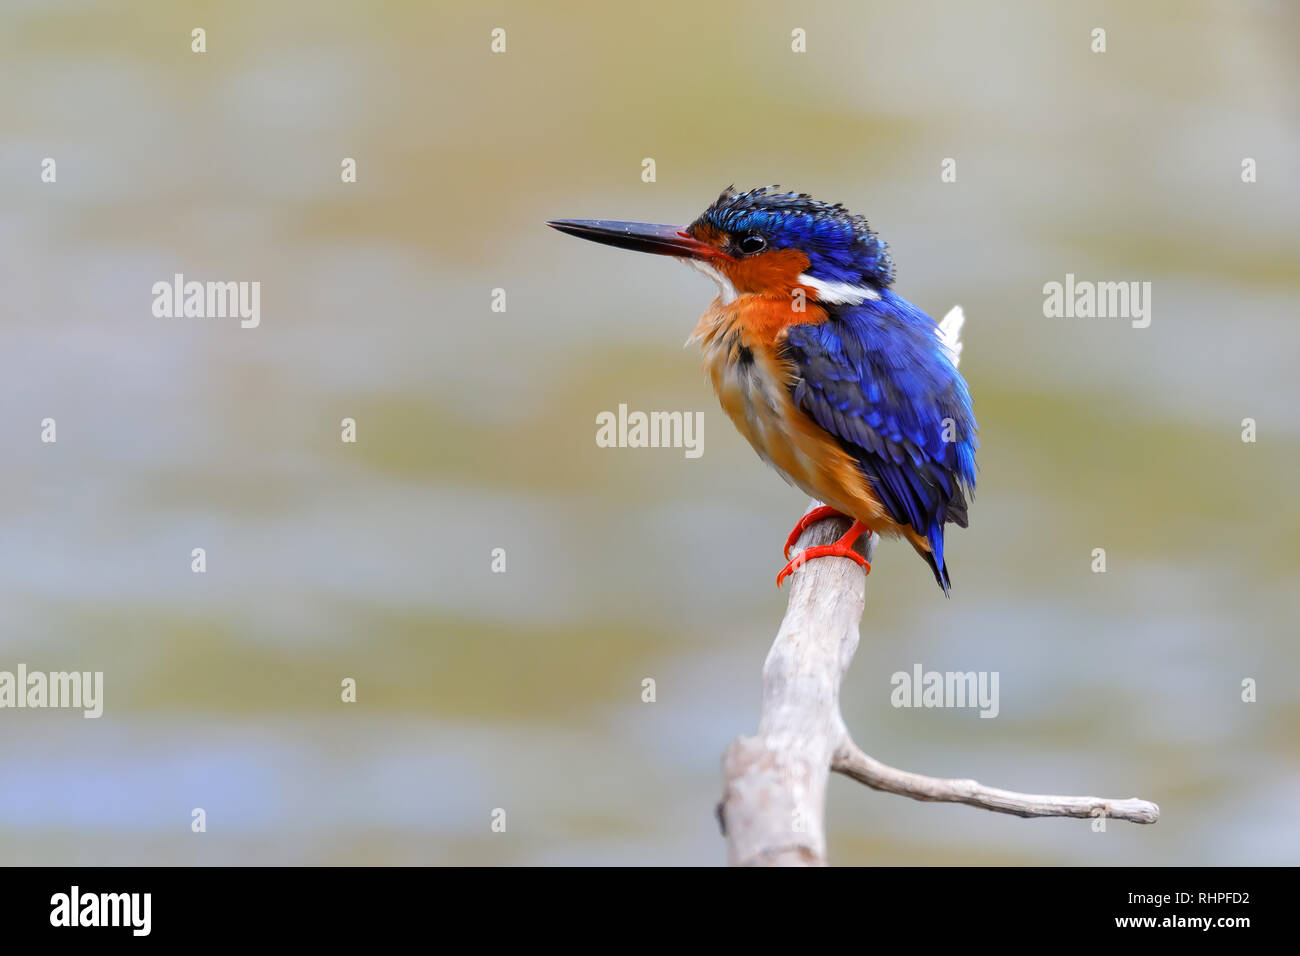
<point>476,429</point>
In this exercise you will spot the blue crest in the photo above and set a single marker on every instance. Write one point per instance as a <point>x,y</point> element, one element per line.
<point>839,245</point>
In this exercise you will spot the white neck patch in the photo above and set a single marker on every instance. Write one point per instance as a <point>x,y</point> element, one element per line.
<point>726,290</point>
<point>838,293</point>
<point>835,293</point>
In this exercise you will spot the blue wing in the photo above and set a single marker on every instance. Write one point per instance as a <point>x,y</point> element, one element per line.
<point>877,378</point>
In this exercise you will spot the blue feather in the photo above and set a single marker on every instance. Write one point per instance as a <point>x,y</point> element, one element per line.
<point>876,377</point>
<point>840,246</point>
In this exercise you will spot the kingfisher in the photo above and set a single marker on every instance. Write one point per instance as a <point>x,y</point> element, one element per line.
<point>844,387</point>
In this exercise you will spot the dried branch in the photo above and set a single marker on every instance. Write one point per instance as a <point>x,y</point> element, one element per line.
<point>852,762</point>
<point>773,810</point>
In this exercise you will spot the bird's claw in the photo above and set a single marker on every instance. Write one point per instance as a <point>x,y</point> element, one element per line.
<point>819,513</point>
<point>842,548</point>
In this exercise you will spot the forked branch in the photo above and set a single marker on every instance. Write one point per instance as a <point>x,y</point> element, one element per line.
<point>773,810</point>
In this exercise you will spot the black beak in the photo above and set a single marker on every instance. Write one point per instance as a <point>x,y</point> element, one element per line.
<point>639,237</point>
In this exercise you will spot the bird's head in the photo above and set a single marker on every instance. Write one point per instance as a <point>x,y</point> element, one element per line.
<point>763,242</point>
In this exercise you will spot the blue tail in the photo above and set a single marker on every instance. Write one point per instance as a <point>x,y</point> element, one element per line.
<point>934,557</point>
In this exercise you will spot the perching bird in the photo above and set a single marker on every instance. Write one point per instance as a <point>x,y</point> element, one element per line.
<point>848,390</point>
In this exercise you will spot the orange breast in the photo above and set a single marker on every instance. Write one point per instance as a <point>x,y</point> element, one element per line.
<point>741,343</point>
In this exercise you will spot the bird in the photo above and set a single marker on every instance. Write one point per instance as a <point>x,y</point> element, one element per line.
<point>849,391</point>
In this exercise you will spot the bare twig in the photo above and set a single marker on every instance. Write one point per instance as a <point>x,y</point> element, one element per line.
<point>773,810</point>
<point>852,762</point>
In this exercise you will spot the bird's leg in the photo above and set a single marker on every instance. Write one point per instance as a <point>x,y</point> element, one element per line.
<point>843,548</point>
<point>819,513</point>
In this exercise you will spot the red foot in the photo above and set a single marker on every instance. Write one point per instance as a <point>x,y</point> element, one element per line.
<point>817,514</point>
<point>843,548</point>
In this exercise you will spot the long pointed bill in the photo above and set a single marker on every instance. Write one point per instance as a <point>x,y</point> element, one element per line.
<point>639,236</point>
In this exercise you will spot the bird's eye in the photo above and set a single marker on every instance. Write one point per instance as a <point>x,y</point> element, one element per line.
<point>752,244</point>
